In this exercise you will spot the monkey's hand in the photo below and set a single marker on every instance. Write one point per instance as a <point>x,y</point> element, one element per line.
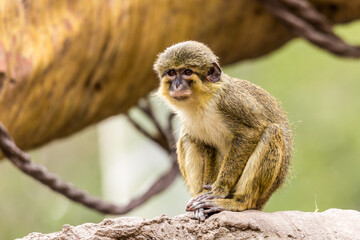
<point>200,200</point>
<point>209,195</point>
<point>204,204</point>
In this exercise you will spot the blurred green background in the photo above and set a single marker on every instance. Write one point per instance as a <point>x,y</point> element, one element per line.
<point>320,92</point>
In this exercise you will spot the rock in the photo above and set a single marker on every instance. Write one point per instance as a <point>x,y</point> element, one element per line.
<point>251,224</point>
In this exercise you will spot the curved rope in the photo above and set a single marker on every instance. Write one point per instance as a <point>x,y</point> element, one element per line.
<point>43,175</point>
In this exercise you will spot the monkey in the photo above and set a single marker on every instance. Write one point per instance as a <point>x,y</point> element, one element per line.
<point>235,143</point>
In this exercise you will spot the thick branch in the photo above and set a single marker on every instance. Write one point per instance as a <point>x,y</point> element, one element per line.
<point>71,63</point>
<point>331,224</point>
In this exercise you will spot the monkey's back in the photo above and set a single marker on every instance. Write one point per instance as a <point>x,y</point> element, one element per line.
<point>246,103</point>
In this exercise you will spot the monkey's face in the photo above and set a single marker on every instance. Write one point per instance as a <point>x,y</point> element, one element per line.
<point>178,82</point>
<point>185,84</point>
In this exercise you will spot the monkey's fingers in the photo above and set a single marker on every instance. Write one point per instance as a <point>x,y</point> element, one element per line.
<point>207,187</point>
<point>199,215</point>
<point>213,210</point>
<point>204,203</point>
<point>197,199</point>
<point>209,207</point>
<point>191,202</point>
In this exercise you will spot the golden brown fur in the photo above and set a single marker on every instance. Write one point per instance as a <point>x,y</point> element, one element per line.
<point>235,137</point>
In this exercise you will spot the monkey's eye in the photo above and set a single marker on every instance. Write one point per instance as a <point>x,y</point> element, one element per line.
<point>171,72</point>
<point>188,72</point>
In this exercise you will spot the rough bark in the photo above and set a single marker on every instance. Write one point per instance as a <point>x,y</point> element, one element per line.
<point>69,64</point>
<point>331,224</point>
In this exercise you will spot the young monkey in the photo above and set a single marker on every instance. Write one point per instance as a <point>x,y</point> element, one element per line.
<point>235,143</point>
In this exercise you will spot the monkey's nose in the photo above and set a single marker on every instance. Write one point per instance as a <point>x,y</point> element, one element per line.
<point>177,82</point>
<point>181,85</point>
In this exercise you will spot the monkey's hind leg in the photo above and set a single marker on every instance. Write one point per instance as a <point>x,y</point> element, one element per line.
<point>262,175</point>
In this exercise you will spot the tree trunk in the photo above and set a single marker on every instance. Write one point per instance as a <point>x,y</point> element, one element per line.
<point>67,64</point>
<point>331,224</point>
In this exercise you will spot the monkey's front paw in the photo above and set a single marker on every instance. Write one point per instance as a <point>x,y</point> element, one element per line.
<point>206,208</point>
<point>206,189</point>
<point>196,202</point>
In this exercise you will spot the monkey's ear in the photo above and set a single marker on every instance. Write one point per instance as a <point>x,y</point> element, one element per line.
<point>214,73</point>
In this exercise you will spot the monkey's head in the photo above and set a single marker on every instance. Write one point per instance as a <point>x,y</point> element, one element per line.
<point>188,72</point>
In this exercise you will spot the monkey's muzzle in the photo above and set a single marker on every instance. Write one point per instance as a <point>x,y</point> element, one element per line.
<point>180,94</point>
<point>180,89</point>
